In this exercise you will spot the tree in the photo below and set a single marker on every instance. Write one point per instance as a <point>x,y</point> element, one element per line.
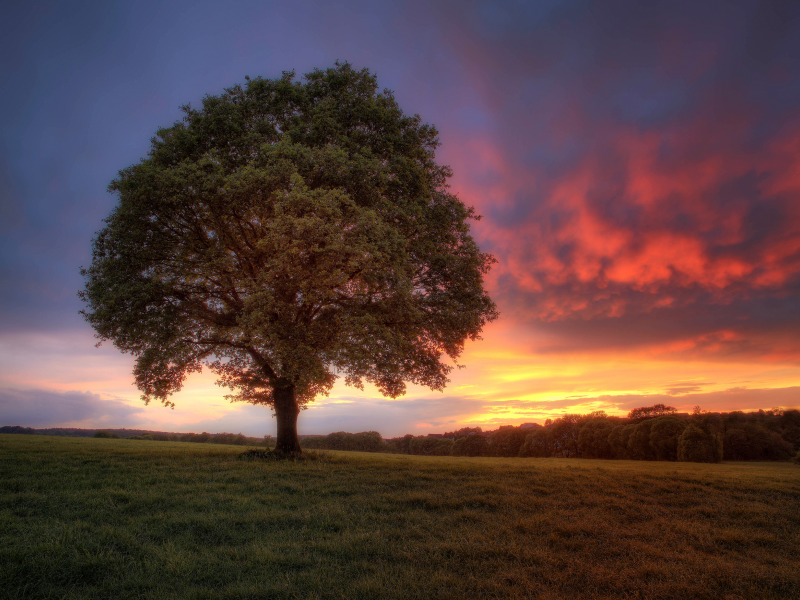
<point>285,234</point>
<point>593,438</point>
<point>507,441</point>
<point>472,445</point>
<point>564,435</point>
<point>664,436</point>
<point>538,443</point>
<point>639,442</point>
<point>460,433</point>
<point>648,412</point>
<point>430,446</point>
<point>699,445</point>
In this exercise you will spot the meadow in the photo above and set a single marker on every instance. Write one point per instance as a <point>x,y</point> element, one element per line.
<point>107,518</point>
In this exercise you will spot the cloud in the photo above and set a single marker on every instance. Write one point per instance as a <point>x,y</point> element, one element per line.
<point>720,401</point>
<point>636,165</point>
<point>644,179</point>
<point>47,408</point>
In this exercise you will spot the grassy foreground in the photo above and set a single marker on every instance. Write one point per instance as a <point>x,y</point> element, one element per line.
<point>102,518</point>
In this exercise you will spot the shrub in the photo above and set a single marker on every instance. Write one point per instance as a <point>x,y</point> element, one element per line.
<point>106,434</point>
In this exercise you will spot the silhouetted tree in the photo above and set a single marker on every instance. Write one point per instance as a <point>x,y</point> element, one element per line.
<point>789,423</point>
<point>639,441</point>
<point>507,441</point>
<point>463,432</point>
<point>648,412</point>
<point>472,445</point>
<point>401,445</point>
<point>283,234</point>
<point>618,440</point>
<point>699,445</point>
<point>17,429</point>
<point>753,441</point>
<point>366,441</point>
<point>664,435</point>
<point>564,435</point>
<point>593,438</point>
<point>443,447</point>
<point>430,446</point>
<point>106,434</point>
<point>537,443</point>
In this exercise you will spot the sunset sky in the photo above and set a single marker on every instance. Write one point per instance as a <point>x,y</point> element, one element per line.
<point>637,166</point>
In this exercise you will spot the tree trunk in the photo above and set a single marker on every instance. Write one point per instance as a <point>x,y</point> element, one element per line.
<point>286,411</point>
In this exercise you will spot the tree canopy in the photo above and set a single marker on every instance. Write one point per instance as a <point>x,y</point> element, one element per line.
<point>650,412</point>
<point>285,234</point>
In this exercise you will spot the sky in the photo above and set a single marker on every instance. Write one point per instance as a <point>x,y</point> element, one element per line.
<point>637,166</point>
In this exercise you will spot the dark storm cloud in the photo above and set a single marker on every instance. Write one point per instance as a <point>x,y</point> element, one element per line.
<point>49,408</point>
<point>85,87</point>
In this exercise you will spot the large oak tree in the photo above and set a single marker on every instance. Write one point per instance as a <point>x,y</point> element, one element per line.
<point>287,233</point>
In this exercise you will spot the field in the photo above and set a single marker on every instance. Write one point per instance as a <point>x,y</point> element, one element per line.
<point>104,518</point>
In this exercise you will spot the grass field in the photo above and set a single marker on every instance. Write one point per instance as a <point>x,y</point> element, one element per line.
<point>103,518</point>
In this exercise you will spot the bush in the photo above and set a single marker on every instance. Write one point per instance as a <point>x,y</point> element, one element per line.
<point>699,445</point>
<point>106,434</point>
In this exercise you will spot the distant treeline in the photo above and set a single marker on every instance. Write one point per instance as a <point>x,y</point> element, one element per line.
<point>648,433</point>
<point>236,439</point>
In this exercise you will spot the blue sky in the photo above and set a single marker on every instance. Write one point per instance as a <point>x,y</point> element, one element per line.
<point>636,165</point>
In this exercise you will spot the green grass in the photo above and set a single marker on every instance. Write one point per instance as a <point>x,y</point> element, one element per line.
<point>104,518</point>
